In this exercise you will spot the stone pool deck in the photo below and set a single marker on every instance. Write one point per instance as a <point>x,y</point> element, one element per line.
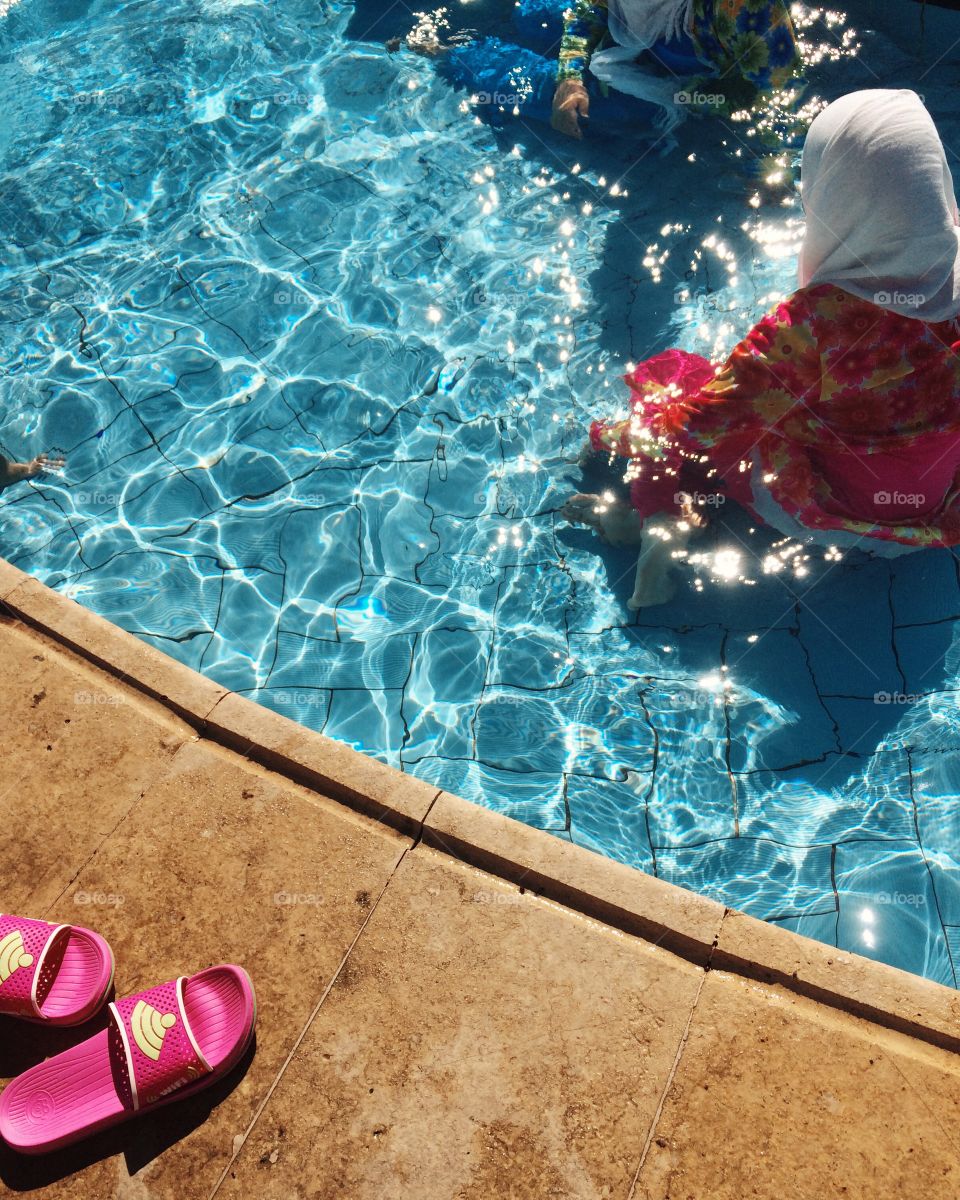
<point>452,1005</point>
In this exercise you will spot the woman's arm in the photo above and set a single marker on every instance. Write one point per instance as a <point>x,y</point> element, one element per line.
<point>13,472</point>
<point>584,28</point>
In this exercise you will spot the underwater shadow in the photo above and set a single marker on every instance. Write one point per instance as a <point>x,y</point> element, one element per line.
<point>826,660</point>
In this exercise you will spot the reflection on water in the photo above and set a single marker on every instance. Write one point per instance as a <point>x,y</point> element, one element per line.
<point>321,348</point>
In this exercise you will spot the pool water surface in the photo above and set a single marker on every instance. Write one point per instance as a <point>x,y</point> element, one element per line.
<point>321,347</point>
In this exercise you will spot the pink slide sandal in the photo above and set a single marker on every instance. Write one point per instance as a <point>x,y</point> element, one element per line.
<point>161,1045</point>
<point>56,974</point>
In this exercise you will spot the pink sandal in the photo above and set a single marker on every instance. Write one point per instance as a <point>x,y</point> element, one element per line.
<point>54,974</point>
<point>161,1045</point>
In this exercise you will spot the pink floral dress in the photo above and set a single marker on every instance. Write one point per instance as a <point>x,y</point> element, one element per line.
<point>848,414</point>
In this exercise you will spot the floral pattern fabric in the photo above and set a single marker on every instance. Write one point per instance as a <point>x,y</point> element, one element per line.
<point>584,28</point>
<point>841,404</point>
<point>753,40</point>
<point>740,41</point>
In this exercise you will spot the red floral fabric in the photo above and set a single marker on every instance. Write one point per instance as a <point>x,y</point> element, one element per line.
<point>852,413</point>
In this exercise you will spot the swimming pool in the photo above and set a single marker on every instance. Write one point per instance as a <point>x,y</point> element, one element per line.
<point>321,349</point>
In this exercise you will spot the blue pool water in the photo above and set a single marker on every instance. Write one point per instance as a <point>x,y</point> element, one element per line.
<point>321,348</point>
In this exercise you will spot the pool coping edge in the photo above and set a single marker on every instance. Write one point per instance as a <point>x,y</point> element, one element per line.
<point>685,923</point>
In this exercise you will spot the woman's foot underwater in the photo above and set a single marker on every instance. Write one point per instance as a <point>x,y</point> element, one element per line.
<point>429,48</point>
<point>424,39</point>
<point>614,521</point>
<point>659,541</point>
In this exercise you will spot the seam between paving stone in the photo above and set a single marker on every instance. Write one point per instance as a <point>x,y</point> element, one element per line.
<point>254,1120</point>
<point>681,1049</point>
<point>237,1149</point>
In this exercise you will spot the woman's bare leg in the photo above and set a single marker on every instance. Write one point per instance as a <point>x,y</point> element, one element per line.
<point>663,541</point>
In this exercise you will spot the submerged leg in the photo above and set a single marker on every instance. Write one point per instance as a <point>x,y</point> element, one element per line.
<point>653,584</point>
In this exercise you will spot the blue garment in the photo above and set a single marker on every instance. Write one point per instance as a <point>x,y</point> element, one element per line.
<point>507,76</point>
<point>504,77</point>
<point>678,56</point>
<point>540,24</point>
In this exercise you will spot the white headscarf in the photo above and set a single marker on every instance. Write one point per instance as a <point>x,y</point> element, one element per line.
<point>636,25</point>
<point>880,206</point>
<point>641,23</point>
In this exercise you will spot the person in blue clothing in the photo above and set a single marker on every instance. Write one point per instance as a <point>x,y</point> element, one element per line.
<point>642,62</point>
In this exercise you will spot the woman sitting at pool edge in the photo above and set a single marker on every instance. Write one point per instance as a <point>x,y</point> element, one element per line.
<point>837,419</point>
<point>665,59</point>
<point>736,51</point>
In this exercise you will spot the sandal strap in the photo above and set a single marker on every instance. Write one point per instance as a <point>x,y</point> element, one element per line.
<point>28,962</point>
<point>153,1045</point>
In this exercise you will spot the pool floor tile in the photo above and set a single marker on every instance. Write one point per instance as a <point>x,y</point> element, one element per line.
<point>612,815</point>
<point>936,784</point>
<point>924,587</point>
<point>753,874</point>
<point>890,908</point>
<point>776,715</point>
<point>836,799</point>
<point>923,650</point>
<point>846,628</point>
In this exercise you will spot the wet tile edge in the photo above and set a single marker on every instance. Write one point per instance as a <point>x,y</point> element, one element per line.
<point>875,991</point>
<point>123,655</point>
<point>689,925</point>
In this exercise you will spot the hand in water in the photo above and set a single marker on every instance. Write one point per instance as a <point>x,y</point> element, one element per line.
<point>570,103</point>
<point>45,462</point>
<point>13,472</point>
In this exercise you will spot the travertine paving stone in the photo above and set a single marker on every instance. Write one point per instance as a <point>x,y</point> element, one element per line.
<point>382,792</point>
<point>78,751</point>
<point>778,1097</point>
<point>427,1030</point>
<point>897,999</point>
<point>479,1043</point>
<point>680,920</point>
<point>218,862</point>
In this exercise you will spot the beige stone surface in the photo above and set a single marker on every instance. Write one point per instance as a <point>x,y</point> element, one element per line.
<point>848,981</point>
<point>218,863</point>
<point>779,1098</point>
<point>479,1043</point>
<point>78,753</point>
<point>10,577</point>
<point>669,916</point>
<point>190,695</point>
<point>372,787</point>
<point>438,1017</point>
